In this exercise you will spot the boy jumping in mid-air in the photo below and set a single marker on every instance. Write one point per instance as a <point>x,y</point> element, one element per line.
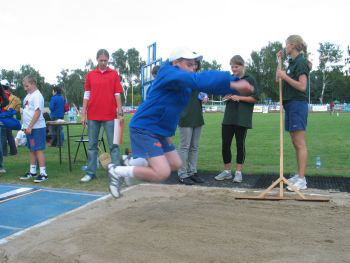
<point>157,117</point>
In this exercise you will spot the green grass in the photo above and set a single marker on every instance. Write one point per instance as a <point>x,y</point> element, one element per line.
<point>327,136</point>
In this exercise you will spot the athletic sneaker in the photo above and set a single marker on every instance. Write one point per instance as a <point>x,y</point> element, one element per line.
<point>27,176</point>
<point>87,178</point>
<point>224,175</point>
<point>186,181</point>
<point>2,171</point>
<point>238,177</point>
<point>41,178</point>
<point>196,178</point>
<point>300,184</point>
<point>293,179</point>
<point>115,181</point>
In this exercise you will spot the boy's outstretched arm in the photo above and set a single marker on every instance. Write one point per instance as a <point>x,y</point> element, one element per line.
<point>242,86</point>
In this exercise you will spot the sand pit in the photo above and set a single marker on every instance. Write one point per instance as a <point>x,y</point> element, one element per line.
<point>162,223</point>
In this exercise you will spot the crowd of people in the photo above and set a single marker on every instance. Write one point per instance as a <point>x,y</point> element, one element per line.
<point>174,101</point>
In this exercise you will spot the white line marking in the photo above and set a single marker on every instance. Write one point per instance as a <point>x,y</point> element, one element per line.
<point>73,193</point>
<point>15,192</point>
<point>7,239</point>
<point>11,227</point>
<point>18,196</point>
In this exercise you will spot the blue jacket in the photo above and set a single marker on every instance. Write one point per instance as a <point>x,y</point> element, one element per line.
<point>57,106</point>
<point>7,119</point>
<point>170,93</point>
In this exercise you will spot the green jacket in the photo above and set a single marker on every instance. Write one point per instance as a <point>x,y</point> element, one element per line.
<point>192,116</point>
<point>296,68</point>
<point>240,113</point>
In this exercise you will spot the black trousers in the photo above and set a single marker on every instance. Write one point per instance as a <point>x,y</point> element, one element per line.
<point>8,139</point>
<point>227,133</point>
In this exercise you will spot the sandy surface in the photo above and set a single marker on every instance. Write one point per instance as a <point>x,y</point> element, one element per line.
<point>162,223</point>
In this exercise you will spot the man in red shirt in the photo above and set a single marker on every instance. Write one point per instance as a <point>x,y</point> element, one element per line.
<point>101,105</point>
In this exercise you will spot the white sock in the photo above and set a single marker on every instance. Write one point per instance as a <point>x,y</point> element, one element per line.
<point>238,172</point>
<point>32,168</point>
<point>125,171</point>
<point>138,162</point>
<point>43,170</point>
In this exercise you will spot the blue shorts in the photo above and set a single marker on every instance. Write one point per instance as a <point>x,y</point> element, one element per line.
<point>296,113</point>
<point>145,144</point>
<point>36,141</point>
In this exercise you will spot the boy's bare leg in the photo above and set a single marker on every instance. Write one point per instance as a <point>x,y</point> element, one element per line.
<point>32,158</point>
<point>41,158</point>
<point>159,169</point>
<point>174,160</point>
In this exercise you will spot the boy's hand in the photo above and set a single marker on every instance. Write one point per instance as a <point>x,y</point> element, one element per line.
<point>235,98</point>
<point>28,130</point>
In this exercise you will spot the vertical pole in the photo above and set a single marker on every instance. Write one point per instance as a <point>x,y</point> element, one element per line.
<point>281,128</point>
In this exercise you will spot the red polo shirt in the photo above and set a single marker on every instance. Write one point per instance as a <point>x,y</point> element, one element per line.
<point>103,87</point>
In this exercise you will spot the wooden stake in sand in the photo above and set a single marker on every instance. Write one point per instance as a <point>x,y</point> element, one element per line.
<point>281,180</point>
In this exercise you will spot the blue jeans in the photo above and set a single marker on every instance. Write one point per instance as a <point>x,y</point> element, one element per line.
<point>93,134</point>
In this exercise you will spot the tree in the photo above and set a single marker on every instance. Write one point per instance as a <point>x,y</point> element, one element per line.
<point>329,55</point>
<point>262,66</point>
<point>72,82</point>
<point>206,65</point>
<point>128,65</point>
<point>28,70</point>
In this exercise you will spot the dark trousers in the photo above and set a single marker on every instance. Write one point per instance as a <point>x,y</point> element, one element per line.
<point>227,133</point>
<point>56,134</point>
<point>7,138</point>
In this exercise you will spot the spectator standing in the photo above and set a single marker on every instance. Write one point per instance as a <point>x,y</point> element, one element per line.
<point>35,129</point>
<point>3,103</point>
<point>295,102</point>
<point>56,112</point>
<point>237,120</point>
<point>8,139</point>
<point>190,127</point>
<point>101,105</point>
<point>331,107</point>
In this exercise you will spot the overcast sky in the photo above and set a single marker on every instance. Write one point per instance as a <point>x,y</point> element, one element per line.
<point>53,35</point>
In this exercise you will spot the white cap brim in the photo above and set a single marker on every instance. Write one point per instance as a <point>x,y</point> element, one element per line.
<point>185,53</point>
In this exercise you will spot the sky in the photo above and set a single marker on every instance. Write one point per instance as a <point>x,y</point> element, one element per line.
<point>52,35</point>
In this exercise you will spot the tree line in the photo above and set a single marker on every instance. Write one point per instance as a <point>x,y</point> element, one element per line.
<point>330,80</point>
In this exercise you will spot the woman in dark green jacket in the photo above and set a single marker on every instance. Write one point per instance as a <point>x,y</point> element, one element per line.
<point>237,120</point>
<point>295,102</point>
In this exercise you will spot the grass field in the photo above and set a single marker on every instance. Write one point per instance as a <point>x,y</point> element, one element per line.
<point>327,136</point>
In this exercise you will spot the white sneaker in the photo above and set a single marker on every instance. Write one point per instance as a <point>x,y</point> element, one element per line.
<point>238,177</point>
<point>300,184</point>
<point>2,171</point>
<point>125,159</point>
<point>293,179</point>
<point>114,181</point>
<point>87,178</point>
<point>223,175</point>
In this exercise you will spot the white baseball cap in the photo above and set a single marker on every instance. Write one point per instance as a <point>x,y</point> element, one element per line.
<point>183,52</point>
<point>4,82</point>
